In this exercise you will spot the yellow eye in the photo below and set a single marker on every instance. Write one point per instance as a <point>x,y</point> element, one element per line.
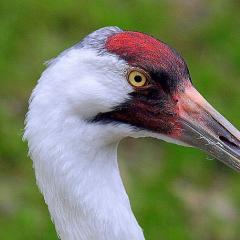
<point>137,78</point>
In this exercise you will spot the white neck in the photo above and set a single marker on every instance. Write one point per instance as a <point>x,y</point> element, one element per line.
<point>77,171</point>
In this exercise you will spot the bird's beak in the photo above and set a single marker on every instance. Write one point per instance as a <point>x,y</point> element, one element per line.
<point>203,127</point>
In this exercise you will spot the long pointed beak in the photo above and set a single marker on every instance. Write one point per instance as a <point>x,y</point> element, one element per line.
<point>205,128</point>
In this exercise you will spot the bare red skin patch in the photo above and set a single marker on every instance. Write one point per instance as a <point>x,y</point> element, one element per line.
<point>144,51</point>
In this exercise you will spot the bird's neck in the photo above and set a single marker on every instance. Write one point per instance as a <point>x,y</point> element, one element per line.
<point>77,172</point>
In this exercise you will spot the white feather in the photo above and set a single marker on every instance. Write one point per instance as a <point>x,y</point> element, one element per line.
<point>76,161</point>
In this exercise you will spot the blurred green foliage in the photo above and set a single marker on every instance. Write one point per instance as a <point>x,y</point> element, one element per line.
<point>176,193</point>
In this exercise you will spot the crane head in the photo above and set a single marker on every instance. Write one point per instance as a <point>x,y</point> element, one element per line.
<point>125,78</point>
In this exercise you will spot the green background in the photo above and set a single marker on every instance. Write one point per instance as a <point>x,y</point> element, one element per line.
<point>176,192</point>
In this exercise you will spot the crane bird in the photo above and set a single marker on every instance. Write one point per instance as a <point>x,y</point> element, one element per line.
<point>111,85</point>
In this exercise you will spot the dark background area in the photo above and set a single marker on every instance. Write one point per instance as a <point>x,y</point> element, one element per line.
<point>176,192</point>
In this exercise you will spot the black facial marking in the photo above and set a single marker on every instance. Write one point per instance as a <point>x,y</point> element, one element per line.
<point>151,109</point>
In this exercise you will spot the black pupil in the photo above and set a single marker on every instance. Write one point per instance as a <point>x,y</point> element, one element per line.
<point>138,78</point>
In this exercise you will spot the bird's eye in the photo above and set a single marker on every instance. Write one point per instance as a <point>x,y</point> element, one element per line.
<point>137,79</point>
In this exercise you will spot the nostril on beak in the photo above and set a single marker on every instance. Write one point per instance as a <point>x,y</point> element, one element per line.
<point>228,142</point>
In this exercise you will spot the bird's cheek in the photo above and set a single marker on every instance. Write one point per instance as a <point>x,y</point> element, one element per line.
<point>175,127</point>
